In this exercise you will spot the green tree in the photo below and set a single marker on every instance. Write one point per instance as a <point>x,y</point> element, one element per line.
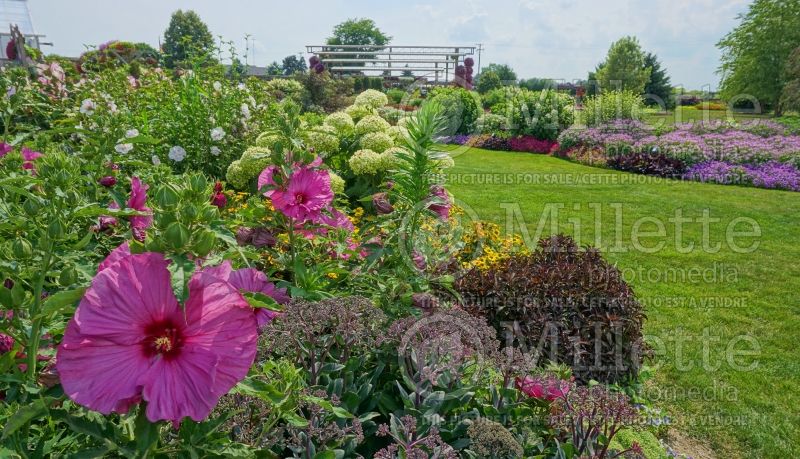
<point>755,53</point>
<point>790,97</point>
<point>274,69</point>
<point>503,71</point>
<point>624,67</point>
<point>293,64</point>
<point>659,84</point>
<point>357,32</point>
<point>488,80</point>
<point>186,37</point>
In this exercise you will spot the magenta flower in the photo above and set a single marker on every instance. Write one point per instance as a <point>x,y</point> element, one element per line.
<point>137,201</point>
<point>267,178</point>
<point>122,251</point>
<point>108,181</point>
<point>543,388</point>
<point>440,202</point>
<point>251,280</point>
<point>29,156</point>
<point>130,340</point>
<point>5,149</point>
<point>307,194</point>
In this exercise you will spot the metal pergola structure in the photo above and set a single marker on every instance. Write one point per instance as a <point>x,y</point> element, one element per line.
<point>438,62</point>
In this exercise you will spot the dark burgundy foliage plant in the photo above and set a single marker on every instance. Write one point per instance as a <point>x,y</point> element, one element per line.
<point>648,164</point>
<point>531,144</point>
<point>570,305</point>
<point>490,142</point>
<point>592,416</point>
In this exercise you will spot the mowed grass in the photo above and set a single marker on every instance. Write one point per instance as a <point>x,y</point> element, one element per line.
<point>727,363</point>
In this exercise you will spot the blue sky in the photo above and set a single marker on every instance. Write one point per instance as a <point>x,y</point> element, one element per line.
<point>561,39</point>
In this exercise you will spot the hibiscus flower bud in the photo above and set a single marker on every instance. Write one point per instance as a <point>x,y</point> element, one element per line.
<point>219,200</point>
<point>108,181</point>
<point>167,197</point>
<point>205,242</point>
<point>382,203</point>
<point>55,230</point>
<point>31,207</point>
<point>68,276</point>
<point>21,249</point>
<point>244,235</point>
<point>177,235</point>
<point>262,237</point>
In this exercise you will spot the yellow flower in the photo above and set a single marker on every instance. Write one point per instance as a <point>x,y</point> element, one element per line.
<point>332,275</point>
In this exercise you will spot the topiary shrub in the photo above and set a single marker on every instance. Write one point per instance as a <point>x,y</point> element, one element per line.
<point>569,304</point>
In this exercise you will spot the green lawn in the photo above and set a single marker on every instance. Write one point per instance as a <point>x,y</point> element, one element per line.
<point>746,299</point>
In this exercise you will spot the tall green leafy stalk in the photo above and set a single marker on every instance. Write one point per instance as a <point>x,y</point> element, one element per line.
<point>416,168</point>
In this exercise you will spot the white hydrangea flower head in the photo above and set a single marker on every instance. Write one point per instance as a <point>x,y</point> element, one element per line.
<point>123,148</point>
<point>177,153</point>
<point>87,106</point>
<point>217,134</point>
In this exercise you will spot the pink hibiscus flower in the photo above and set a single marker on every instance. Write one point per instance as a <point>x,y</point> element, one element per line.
<point>543,388</point>
<point>29,156</point>
<point>137,201</point>
<point>130,340</point>
<point>251,280</point>
<point>307,194</point>
<point>267,178</point>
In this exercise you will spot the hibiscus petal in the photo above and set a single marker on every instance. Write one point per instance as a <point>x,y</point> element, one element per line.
<point>116,255</point>
<point>179,387</point>
<point>127,296</point>
<point>98,373</point>
<point>222,322</point>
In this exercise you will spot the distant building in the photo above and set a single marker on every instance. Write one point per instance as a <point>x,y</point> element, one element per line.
<point>16,12</point>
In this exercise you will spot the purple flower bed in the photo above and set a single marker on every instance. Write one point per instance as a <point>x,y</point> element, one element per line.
<point>758,153</point>
<point>771,174</point>
<point>458,139</point>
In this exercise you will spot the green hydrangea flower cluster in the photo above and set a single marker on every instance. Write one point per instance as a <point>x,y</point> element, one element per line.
<point>372,98</point>
<point>340,121</point>
<point>358,112</point>
<point>368,162</point>
<point>337,183</point>
<point>246,168</point>
<point>371,123</point>
<point>323,140</point>
<point>377,141</point>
